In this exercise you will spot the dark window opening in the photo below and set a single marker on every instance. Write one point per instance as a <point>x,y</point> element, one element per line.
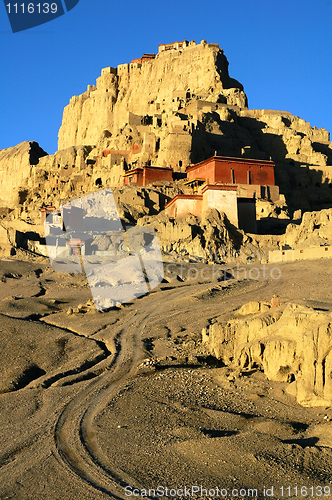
<point>147,120</point>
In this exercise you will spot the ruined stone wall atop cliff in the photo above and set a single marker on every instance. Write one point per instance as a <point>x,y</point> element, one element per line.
<point>148,89</point>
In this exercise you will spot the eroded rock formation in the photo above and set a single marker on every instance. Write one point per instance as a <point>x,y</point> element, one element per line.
<point>151,98</point>
<point>16,167</point>
<point>210,237</point>
<point>315,230</point>
<point>291,344</point>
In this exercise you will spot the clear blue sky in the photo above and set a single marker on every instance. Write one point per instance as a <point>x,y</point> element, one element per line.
<point>279,50</point>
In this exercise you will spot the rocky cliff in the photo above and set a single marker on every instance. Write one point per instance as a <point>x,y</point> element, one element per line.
<point>178,107</point>
<point>153,91</point>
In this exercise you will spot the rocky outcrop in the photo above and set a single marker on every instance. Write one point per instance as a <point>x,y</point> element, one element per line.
<point>303,155</point>
<point>17,165</point>
<point>153,91</point>
<point>16,233</point>
<point>291,344</point>
<point>6,248</point>
<point>315,230</point>
<point>64,176</point>
<point>209,237</point>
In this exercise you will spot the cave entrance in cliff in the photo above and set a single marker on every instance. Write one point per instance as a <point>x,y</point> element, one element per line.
<point>98,182</point>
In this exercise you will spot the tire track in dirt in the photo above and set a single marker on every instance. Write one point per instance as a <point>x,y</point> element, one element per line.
<point>74,435</point>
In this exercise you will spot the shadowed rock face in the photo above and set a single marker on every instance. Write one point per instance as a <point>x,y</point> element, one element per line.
<point>314,230</point>
<point>289,344</point>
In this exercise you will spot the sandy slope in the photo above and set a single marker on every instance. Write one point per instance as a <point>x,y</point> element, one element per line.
<point>80,419</point>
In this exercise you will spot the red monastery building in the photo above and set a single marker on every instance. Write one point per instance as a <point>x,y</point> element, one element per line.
<point>143,59</point>
<point>141,176</point>
<point>228,170</point>
<point>254,178</point>
<point>231,185</point>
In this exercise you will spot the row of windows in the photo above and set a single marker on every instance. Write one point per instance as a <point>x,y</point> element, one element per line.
<point>233,179</point>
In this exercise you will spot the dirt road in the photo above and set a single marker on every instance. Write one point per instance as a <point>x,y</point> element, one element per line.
<point>82,419</point>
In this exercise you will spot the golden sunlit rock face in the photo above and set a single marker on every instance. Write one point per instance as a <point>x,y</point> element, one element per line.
<point>159,89</point>
<point>289,344</point>
<point>171,109</point>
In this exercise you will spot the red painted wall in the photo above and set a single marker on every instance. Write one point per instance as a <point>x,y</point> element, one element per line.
<point>107,152</point>
<point>153,174</point>
<point>216,170</point>
<point>147,57</point>
<point>135,149</point>
<point>205,171</point>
